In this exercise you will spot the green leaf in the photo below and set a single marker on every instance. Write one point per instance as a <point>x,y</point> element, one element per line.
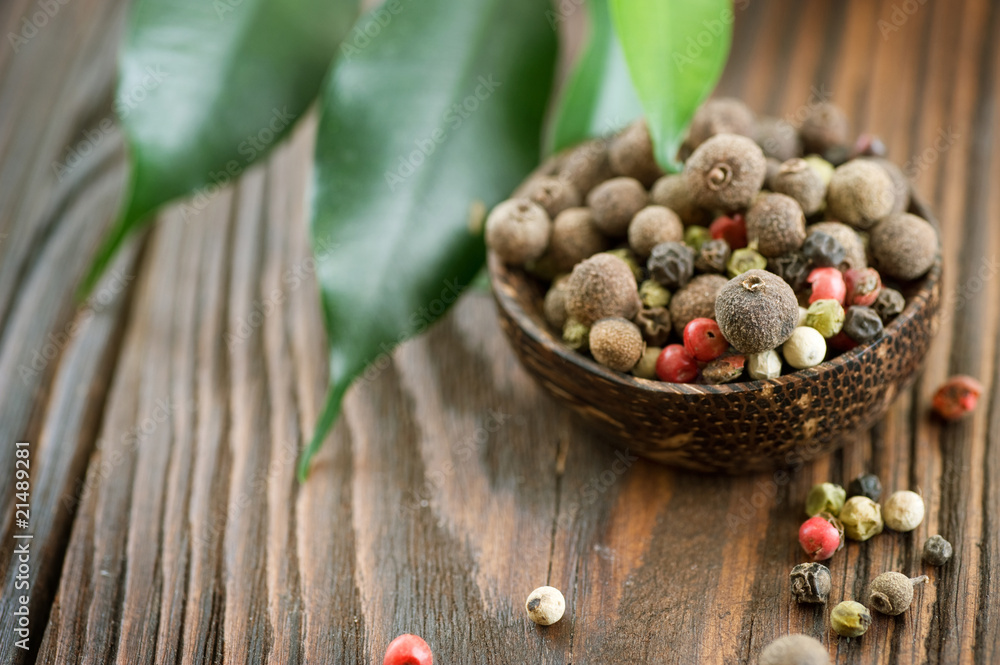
<point>675,50</point>
<point>599,98</point>
<point>206,87</point>
<point>419,134</point>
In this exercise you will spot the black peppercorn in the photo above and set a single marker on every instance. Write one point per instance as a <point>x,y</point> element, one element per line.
<point>862,324</point>
<point>889,303</point>
<point>671,264</point>
<point>937,551</point>
<point>810,583</point>
<point>823,250</point>
<point>866,485</point>
<point>713,256</point>
<point>792,267</point>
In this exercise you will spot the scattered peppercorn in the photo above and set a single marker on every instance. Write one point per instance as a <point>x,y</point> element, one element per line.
<point>863,286</point>
<point>646,367</point>
<point>587,166</point>
<point>575,237</point>
<point>827,284</point>
<point>850,619</point>
<point>756,311</point>
<point>671,264</point>
<point>654,324</point>
<point>408,650</point>
<point>826,316</point>
<point>823,250</point>
<point>552,193</point>
<point>806,347</point>
<point>821,536</point>
<point>731,229</point>
<point>862,324</point>
<point>743,260</point>
<point>889,303</point>
<point>795,178</point>
<point>518,230</point>
<point>575,334</point>
<point>545,605</point>
<point>825,498</point>
<point>903,511</point>
<point>937,551</point>
<point>631,154</point>
<point>616,343</point>
<point>776,224</point>
<point>720,116</point>
<point>697,299</point>
<point>696,236</point>
<point>957,397</point>
<point>601,287</point>
<point>904,246</point>
<point>672,192</point>
<point>555,304</point>
<point>811,583</point>
<point>861,517</point>
<point>615,202</point>
<point>676,365</point>
<point>651,226</point>
<point>854,248</point>
<point>794,650</point>
<point>867,485</point>
<point>704,340</point>
<point>726,172</point>
<point>892,593</point>
<point>764,365</point>
<point>792,267</point>
<point>824,127</point>
<point>777,138</point>
<point>860,193</point>
<point>712,256</point>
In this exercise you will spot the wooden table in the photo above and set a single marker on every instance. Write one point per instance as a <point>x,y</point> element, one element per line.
<point>165,420</point>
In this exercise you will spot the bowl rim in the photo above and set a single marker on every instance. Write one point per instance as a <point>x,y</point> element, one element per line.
<point>500,275</point>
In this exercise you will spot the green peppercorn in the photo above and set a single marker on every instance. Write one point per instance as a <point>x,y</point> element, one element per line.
<point>862,518</point>
<point>575,334</point>
<point>825,498</point>
<point>811,583</point>
<point>892,593</point>
<point>826,316</point>
<point>743,260</point>
<point>937,551</point>
<point>646,367</point>
<point>630,259</point>
<point>850,619</point>
<point>696,236</point>
<point>653,294</point>
<point>867,485</point>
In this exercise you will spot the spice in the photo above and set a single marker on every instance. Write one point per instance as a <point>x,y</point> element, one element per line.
<point>575,334</point>
<point>518,231</point>
<point>616,343</point>
<point>553,194</point>
<point>904,246</point>
<point>671,192</point>
<point>575,237</point>
<point>408,650</point>
<point>676,365</point>
<point>646,367</point>
<point>726,172</point>
<point>862,324</point>
<point>631,154</point>
<point>821,536</point>
<point>704,340</point>
<point>776,224</point>
<point>823,250</point>
<point>555,304</point>
<point>827,284</point>
<point>545,605</point>
<point>586,166</point>
<point>630,259</point>
<point>724,115</point>
<point>825,498</point>
<point>903,511</point>
<point>654,324</point>
<point>863,286</point>
<point>855,254</point>
<point>756,311</point>
<point>811,583</point>
<point>743,260</point>
<point>794,650</point>
<point>723,370</point>
<point>806,347</point>
<point>825,126</point>
<point>777,138</point>
<point>696,299</point>
<point>795,178</point>
<point>957,397</point>
<point>850,619</point>
<point>731,229</point>
<point>889,303</point>
<point>892,593</point>
<point>826,316</point>
<point>712,256</point>
<point>652,294</point>
<point>600,287</point>
<point>671,264</point>
<point>764,365</point>
<point>792,267</point>
<point>695,237</point>
<point>861,517</point>
<point>860,193</point>
<point>821,166</point>
<point>615,202</point>
<point>869,145</point>
<point>937,551</point>
<point>867,485</point>
<point>900,184</point>
<point>651,226</point>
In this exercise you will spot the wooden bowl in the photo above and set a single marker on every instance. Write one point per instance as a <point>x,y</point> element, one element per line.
<point>736,427</point>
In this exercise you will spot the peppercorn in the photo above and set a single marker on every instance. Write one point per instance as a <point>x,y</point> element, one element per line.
<point>651,226</point>
<point>892,593</point>
<point>937,551</point>
<point>792,267</point>
<point>823,250</point>
<point>777,138</point>
<point>654,324</point>
<point>671,191</point>
<point>731,229</point>
<point>631,154</point>
<point>900,184</point>
<point>869,145</point>
<point>646,367</point>
<point>408,650</point>
<point>795,178</point>
<point>704,340</point>
<point>552,193</point>
<point>697,299</point>
<point>587,166</point>
<point>652,294</point>
<point>957,397</point>
<point>776,223</point>
<point>811,583</point>
<point>712,257</point>
<point>804,348</point>
<point>903,511</point>
<point>863,286</point>
<point>862,324</point>
<point>695,237</point>
<point>904,246</point>
<point>575,334</point>
<point>862,518</point>
<point>671,264</point>
<point>616,343</point>
<point>764,365</point>
<point>825,498</point>
<point>600,287</point>
<point>867,485</point>
<point>850,619</point>
<point>630,259</point>
<point>575,237</point>
<point>726,172</point>
<point>756,311</point>
<point>773,166</point>
<point>854,248</point>
<point>555,303</point>
<point>545,605</point>
<point>860,193</point>
<point>889,303</point>
<point>614,203</point>
<point>676,365</point>
<point>743,260</point>
<point>518,230</point>
<point>725,115</point>
<point>544,268</point>
<point>821,536</point>
<point>824,127</point>
<point>827,284</point>
<point>794,650</point>
<point>723,370</point>
<point>821,166</point>
<point>826,316</point>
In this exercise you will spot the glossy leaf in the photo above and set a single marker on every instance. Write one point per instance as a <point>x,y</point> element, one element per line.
<point>599,98</point>
<point>419,134</point>
<point>675,50</point>
<point>207,87</point>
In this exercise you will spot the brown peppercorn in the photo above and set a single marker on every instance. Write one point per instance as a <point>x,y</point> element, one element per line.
<point>712,257</point>
<point>586,166</point>
<point>553,194</point>
<point>671,191</point>
<point>900,184</point>
<point>854,247</point>
<point>725,115</point>
<point>601,287</point>
<point>892,593</point>
<point>615,202</point>
<point>651,226</point>
<point>555,303</point>
<point>575,237</point>
<point>756,311</point>
<point>776,223</point>
<point>726,172</point>
<point>802,182</point>
<point>860,193</point>
<point>518,231</point>
<point>616,343</point>
<point>824,127</point>
<point>631,154</point>
<point>778,139</point>
<point>904,246</point>
<point>696,300</point>
<point>654,324</point>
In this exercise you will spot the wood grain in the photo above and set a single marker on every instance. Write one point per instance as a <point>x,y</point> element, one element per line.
<point>165,423</point>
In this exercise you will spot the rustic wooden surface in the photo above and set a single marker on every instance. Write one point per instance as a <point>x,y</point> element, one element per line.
<point>165,420</point>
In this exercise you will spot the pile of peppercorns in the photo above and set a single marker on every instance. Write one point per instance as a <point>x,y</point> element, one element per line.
<point>774,248</point>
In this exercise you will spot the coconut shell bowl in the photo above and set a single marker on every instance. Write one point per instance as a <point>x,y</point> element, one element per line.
<point>735,427</point>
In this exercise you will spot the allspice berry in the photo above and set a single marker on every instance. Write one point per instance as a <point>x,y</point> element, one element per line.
<point>756,311</point>
<point>651,226</point>
<point>903,511</point>
<point>850,619</point>
<point>860,194</point>
<point>695,301</point>
<point>616,343</point>
<point>518,230</point>
<point>795,178</point>
<point>937,551</point>
<point>601,287</point>
<point>900,184</point>
<point>892,593</point>
<point>553,194</point>
<point>615,202</point>
<point>854,247</point>
<point>811,583</point>
<point>671,264</point>
<point>726,172</point>
<point>545,605</point>
<point>823,128</point>
<point>777,138</point>
<point>724,115</point>
<point>655,325</point>
<point>631,154</point>
<point>586,166</point>
<point>575,237</point>
<point>671,191</point>
<point>794,650</point>
<point>904,246</point>
<point>555,303</point>
<point>776,223</point>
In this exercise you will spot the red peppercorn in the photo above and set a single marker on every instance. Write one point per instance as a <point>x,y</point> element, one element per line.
<point>820,537</point>
<point>863,286</point>
<point>827,284</point>
<point>841,342</point>
<point>703,339</point>
<point>676,365</point>
<point>408,650</point>
<point>731,229</point>
<point>957,397</point>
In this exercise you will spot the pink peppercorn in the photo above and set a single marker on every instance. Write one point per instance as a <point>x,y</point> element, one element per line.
<point>957,397</point>
<point>408,650</point>
<point>703,339</point>
<point>827,284</point>
<point>676,365</point>
<point>863,286</point>
<point>841,342</point>
<point>820,537</point>
<point>731,229</point>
